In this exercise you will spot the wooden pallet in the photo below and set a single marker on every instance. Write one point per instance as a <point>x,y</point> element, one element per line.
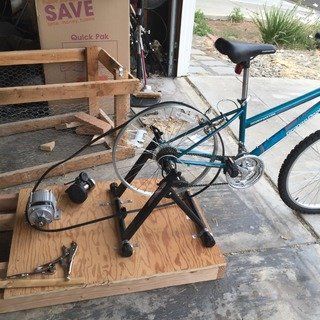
<point>165,251</point>
<point>122,85</point>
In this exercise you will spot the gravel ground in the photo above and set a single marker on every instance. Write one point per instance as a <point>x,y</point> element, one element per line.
<point>283,64</point>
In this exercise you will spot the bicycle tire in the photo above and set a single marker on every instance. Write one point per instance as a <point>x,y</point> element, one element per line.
<point>286,169</point>
<point>132,127</point>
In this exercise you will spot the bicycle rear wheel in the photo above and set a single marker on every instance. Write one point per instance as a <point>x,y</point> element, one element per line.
<point>299,177</point>
<point>172,119</point>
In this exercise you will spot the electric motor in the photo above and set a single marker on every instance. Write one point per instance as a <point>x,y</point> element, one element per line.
<point>78,191</point>
<point>42,208</point>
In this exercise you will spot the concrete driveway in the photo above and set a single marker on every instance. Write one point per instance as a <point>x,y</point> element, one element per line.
<point>217,9</point>
<point>273,255</point>
<point>216,80</point>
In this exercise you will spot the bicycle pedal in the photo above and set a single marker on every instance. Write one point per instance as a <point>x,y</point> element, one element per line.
<point>231,168</point>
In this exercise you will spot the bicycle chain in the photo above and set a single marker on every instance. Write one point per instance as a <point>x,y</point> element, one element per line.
<point>205,184</point>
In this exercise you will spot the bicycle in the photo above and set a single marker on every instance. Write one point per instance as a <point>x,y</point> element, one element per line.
<point>174,135</point>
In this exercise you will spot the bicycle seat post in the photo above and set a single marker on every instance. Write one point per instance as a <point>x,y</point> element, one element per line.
<point>245,81</point>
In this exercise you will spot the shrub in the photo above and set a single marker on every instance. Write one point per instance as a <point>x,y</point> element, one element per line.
<point>201,27</point>
<point>236,15</point>
<point>284,28</point>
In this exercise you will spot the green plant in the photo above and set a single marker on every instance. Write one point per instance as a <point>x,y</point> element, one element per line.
<point>236,15</point>
<point>201,27</point>
<point>284,28</point>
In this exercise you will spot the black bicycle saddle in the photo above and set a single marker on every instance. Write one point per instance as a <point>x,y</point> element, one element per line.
<point>238,51</point>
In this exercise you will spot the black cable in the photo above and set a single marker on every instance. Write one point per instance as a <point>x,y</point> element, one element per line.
<point>63,161</point>
<point>78,152</point>
<point>75,225</point>
<point>96,220</point>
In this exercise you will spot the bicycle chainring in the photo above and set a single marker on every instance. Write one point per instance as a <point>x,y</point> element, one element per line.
<point>250,168</point>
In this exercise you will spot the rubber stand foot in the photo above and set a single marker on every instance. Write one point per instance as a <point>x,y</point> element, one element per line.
<point>207,239</point>
<point>126,249</point>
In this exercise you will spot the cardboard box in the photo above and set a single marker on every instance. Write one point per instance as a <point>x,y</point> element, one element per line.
<point>82,23</point>
<point>78,24</point>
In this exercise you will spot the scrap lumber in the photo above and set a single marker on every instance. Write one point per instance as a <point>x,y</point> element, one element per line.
<point>34,124</point>
<point>92,121</point>
<point>109,62</point>
<point>148,95</point>
<point>34,283</point>
<point>49,146</point>
<point>29,174</point>
<point>92,75</point>
<point>10,58</point>
<point>65,91</point>
<point>121,105</point>
<point>87,130</point>
<point>67,125</point>
<point>105,117</point>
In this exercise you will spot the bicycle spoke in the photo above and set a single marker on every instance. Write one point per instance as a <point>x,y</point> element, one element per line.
<point>172,119</point>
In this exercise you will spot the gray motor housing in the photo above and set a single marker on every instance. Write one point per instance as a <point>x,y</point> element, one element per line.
<point>42,208</point>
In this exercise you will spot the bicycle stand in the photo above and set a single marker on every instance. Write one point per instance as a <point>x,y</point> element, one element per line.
<point>166,189</point>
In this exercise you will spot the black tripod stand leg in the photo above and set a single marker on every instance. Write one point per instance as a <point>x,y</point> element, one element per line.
<point>126,248</point>
<point>192,212</point>
<point>161,192</point>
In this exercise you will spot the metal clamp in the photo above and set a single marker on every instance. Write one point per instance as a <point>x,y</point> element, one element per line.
<point>66,262</point>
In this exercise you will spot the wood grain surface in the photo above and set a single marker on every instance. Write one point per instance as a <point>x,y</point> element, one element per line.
<point>165,253</point>
<point>10,58</point>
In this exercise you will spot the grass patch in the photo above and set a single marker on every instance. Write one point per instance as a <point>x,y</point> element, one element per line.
<point>236,15</point>
<point>283,28</point>
<point>242,31</point>
<point>201,26</point>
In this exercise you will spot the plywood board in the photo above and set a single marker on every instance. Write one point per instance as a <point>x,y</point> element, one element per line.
<point>165,252</point>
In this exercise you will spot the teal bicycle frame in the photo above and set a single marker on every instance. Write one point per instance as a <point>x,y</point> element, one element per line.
<point>245,123</point>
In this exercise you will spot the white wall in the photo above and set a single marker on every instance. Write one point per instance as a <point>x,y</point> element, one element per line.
<point>186,34</point>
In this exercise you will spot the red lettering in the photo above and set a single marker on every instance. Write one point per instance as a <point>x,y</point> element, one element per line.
<point>64,12</point>
<point>50,14</point>
<point>88,7</point>
<point>76,11</point>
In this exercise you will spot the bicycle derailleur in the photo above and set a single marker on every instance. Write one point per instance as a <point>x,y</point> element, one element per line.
<point>243,171</point>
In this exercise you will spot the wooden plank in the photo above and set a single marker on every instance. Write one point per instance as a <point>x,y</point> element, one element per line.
<point>87,130</point>
<point>148,95</point>
<point>6,221</point>
<point>121,105</point>
<point>99,125</point>
<point>21,176</point>
<point>34,283</point>
<point>34,124</point>
<point>8,202</point>
<point>109,62</point>
<point>10,58</point>
<point>92,75</point>
<point>48,146</point>
<point>109,289</point>
<point>49,92</point>
<point>165,253</point>
<point>68,125</point>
